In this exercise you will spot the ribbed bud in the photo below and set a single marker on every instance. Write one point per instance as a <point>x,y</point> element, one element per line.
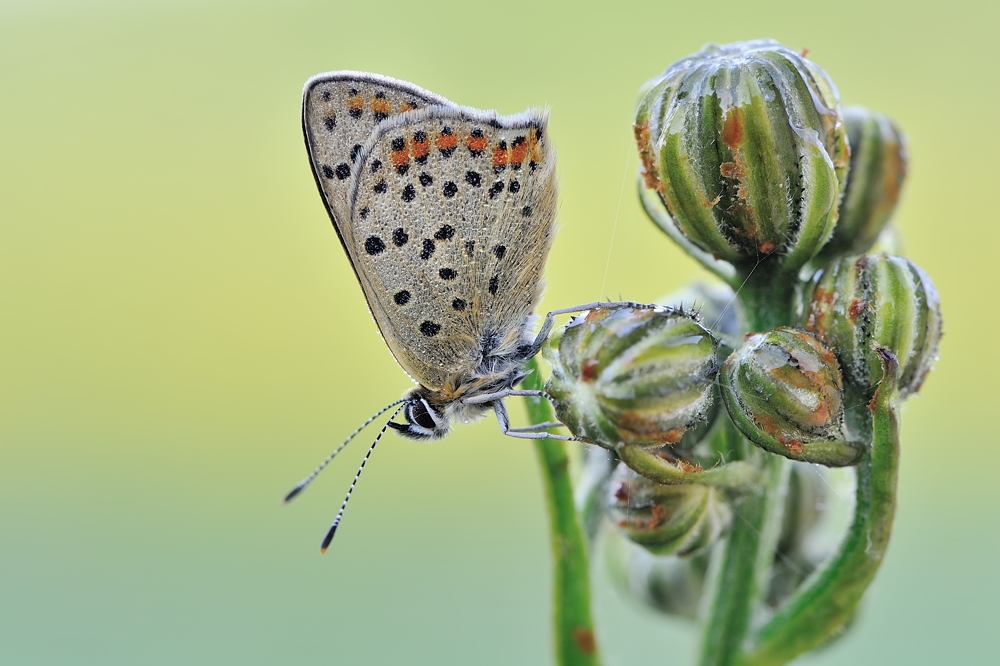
<point>635,375</point>
<point>670,584</point>
<point>745,145</point>
<point>878,299</point>
<point>783,391</point>
<point>878,168</point>
<point>683,519</point>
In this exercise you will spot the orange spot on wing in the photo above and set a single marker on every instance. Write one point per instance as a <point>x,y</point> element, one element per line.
<point>518,150</point>
<point>381,105</point>
<point>405,106</point>
<point>476,143</point>
<point>500,156</point>
<point>421,148</point>
<point>400,157</point>
<point>446,141</point>
<point>356,103</point>
<point>535,146</point>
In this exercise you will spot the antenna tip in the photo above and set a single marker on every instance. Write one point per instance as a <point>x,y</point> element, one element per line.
<point>328,538</point>
<point>292,493</point>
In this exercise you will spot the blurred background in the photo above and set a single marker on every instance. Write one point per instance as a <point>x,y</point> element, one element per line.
<point>182,339</point>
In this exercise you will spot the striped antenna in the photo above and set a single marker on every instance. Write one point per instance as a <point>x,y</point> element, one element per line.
<point>340,514</point>
<point>304,483</point>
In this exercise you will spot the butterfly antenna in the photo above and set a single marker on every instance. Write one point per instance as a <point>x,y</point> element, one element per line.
<point>304,483</point>
<point>340,514</point>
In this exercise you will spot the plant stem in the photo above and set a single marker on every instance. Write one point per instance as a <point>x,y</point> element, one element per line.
<point>744,563</point>
<point>828,599</point>
<point>575,643</point>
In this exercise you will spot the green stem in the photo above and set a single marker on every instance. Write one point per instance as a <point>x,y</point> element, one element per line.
<point>744,563</point>
<point>828,599</point>
<point>575,643</point>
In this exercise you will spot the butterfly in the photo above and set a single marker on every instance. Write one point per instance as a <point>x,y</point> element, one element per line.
<point>447,215</point>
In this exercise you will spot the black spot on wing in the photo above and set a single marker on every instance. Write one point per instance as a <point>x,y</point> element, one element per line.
<point>399,237</point>
<point>374,245</point>
<point>445,232</point>
<point>343,171</point>
<point>473,178</point>
<point>425,179</point>
<point>458,304</point>
<point>428,250</point>
<point>430,329</point>
<point>499,251</point>
<point>330,122</point>
<point>447,274</point>
<point>409,193</point>
<point>514,187</point>
<point>401,297</point>
<point>494,284</point>
<point>495,189</point>
<point>450,189</point>
<point>380,187</point>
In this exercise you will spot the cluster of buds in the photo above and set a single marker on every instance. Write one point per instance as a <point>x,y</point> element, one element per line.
<point>748,160</point>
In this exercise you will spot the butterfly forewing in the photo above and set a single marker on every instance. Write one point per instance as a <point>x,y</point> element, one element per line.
<point>339,111</point>
<point>452,213</point>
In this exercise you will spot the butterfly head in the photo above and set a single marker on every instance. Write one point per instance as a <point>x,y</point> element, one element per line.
<point>424,421</point>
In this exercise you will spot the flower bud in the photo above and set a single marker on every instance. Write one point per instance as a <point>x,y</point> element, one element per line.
<point>783,391</point>
<point>745,145</point>
<point>878,167</point>
<point>634,375</point>
<point>683,519</point>
<point>879,299</point>
<point>667,583</point>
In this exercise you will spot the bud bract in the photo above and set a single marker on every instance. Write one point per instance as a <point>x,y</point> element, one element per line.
<point>878,167</point>
<point>634,375</point>
<point>879,299</point>
<point>783,390</point>
<point>745,145</point>
<point>682,518</point>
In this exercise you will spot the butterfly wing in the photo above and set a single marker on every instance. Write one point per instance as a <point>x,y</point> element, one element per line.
<point>339,111</point>
<point>452,218</point>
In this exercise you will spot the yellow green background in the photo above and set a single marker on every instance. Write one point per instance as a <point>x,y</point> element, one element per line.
<point>182,339</point>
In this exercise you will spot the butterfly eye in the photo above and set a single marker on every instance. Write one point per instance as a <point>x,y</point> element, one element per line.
<point>419,413</point>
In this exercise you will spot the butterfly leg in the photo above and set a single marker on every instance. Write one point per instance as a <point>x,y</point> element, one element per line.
<point>519,433</point>
<point>539,426</point>
<point>549,321</point>
<point>500,395</point>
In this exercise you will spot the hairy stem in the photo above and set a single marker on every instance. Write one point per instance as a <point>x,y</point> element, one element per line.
<point>827,600</point>
<point>575,643</point>
<point>744,563</point>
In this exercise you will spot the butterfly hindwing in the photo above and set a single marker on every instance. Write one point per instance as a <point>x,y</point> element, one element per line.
<point>452,213</point>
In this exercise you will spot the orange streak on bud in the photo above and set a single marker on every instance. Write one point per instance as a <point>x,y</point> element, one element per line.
<point>732,128</point>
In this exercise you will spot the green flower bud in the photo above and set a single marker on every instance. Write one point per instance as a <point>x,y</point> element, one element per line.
<point>745,145</point>
<point>878,167</point>
<point>879,299</point>
<point>783,391</point>
<point>635,375</point>
<point>667,583</point>
<point>683,519</point>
